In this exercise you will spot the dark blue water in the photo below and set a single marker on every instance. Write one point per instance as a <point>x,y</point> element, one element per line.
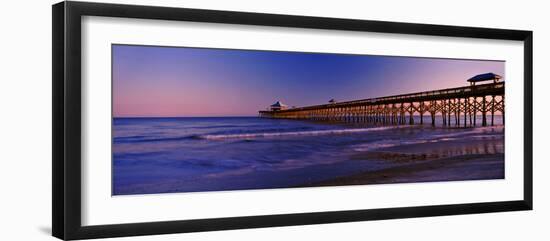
<point>159,155</point>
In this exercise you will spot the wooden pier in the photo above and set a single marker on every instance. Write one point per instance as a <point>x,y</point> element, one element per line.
<point>455,106</point>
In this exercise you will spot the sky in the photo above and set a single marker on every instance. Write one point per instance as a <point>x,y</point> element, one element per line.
<point>152,81</point>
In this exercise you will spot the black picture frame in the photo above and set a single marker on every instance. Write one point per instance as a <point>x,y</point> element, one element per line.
<point>66,158</point>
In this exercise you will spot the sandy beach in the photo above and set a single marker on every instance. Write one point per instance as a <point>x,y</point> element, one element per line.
<point>449,160</point>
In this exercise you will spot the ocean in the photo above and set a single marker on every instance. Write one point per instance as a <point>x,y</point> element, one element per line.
<point>192,154</point>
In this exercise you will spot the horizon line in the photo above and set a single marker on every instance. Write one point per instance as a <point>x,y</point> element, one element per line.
<point>158,117</point>
<point>231,116</point>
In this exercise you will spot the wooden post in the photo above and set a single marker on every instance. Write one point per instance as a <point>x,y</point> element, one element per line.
<point>411,112</point>
<point>464,105</point>
<point>493,111</point>
<point>394,114</point>
<point>470,111</point>
<point>444,111</point>
<point>475,110</point>
<point>370,116</point>
<point>432,111</point>
<point>449,112</point>
<point>376,113</point>
<point>402,113</point>
<point>455,111</point>
<point>421,112</point>
<point>379,114</point>
<point>458,110</point>
<point>386,114</point>
<point>484,112</point>
<point>365,113</point>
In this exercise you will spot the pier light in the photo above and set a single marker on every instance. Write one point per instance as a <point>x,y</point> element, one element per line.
<point>484,77</point>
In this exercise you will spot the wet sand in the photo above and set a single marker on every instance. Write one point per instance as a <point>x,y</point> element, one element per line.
<point>450,160</point>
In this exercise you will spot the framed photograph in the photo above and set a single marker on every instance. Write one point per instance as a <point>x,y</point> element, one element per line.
<point>169,120</point>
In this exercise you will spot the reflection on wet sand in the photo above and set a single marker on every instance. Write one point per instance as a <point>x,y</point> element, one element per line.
<point>445,160</point>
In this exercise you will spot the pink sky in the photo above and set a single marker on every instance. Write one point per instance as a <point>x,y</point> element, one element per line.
<point>171,82</point>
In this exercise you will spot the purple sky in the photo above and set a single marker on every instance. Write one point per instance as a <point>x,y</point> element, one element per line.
<point>171,82</point>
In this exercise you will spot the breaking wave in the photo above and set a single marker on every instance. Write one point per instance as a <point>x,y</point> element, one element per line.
<point>294,133</point>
